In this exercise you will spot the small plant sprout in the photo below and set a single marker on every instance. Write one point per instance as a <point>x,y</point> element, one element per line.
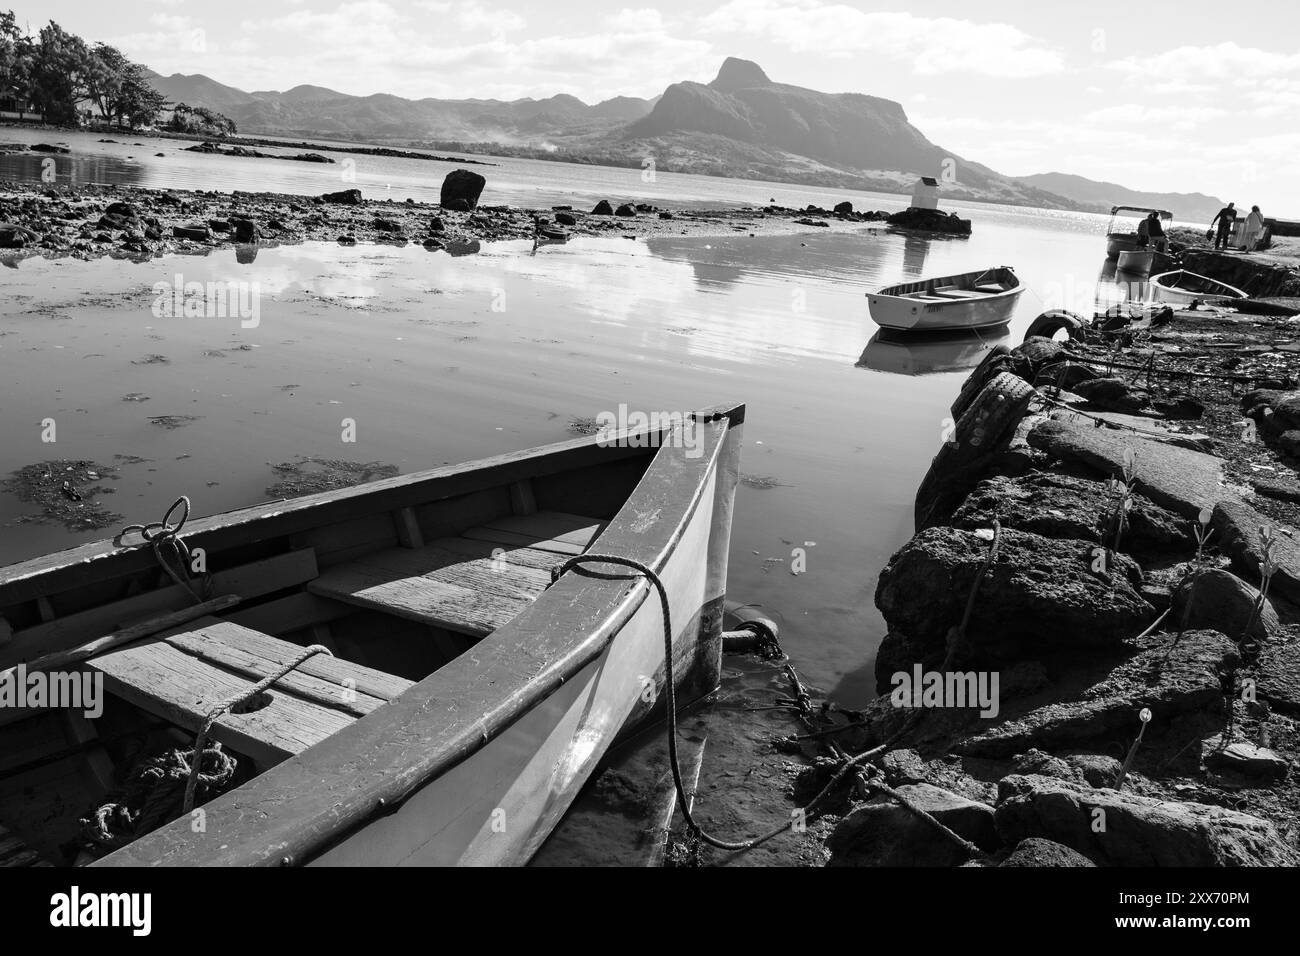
<point>1122,492</point>
<point>1267,568</point>
<point>1145,716</point>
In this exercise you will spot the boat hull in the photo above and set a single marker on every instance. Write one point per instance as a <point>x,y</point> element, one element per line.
<point>1215,291</point>
<point>908,315</point>
<point>476,764</point>
<point>1120,242</point>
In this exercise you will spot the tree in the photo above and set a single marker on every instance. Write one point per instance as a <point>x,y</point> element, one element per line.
<point>58,73</point>
<point>15,61</point>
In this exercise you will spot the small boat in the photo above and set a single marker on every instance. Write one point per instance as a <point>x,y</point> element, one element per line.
<point>1123,239</point>
<point>1181,287</point>
<point>972,300</point>
<point>552,234</point>
<point>1141,262</point>
<point>470,693</point>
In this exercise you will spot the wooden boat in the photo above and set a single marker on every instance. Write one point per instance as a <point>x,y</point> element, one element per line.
<point>552,234</point>
<point>1142,262</point>
<point>469,697</point>
<point>1181,287</point>
<point>972,300</point>
<point>1120,238</point>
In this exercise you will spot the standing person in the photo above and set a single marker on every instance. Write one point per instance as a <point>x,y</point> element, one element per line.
<point>1226,218</point>
<point>1156,232</point>
<point>1254,229</point>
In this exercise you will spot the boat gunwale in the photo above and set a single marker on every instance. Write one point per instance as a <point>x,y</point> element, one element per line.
<point>889,291</point>
<point>1232,292</point>
<point>373,753</point>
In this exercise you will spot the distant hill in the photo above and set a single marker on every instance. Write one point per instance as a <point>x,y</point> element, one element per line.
<point>382,117</point>
<point>742,124</point>
<point>1102,196</point>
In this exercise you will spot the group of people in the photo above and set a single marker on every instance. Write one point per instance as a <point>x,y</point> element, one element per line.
<point>1227,221</point>
<point>1151,232</point>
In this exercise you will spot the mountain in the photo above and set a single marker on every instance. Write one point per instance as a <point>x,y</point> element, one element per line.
<point>382,117</point>
<point>742,124</point>
<point>843,138</point>
<point>1101,196</point>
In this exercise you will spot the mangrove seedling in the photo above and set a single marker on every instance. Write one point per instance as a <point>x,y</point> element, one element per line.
<point>1122,493</point>
<point>1145,716</point>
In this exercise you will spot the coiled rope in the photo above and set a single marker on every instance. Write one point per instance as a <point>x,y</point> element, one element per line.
<point>166,539</point>
<point>234,701</point>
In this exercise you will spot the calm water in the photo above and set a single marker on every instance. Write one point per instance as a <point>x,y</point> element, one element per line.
<point>442,359</point>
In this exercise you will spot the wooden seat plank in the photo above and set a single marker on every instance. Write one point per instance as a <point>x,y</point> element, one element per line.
<point>436,586</point>
<point>181,688</point>
<point>556,531</point>
<point>183,675</point>
<point>509,553</point>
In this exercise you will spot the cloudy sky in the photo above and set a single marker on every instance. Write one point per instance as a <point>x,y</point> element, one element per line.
<point>1187,96</point>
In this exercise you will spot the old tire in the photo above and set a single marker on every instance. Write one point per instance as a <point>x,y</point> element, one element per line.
<point>983,429</point>
<point>990,365</point>
<point>1057,320</point>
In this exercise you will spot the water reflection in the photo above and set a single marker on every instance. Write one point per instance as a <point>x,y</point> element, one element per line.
<point>915,249</point>
<point>1119,292</point>
<point>901,354</point>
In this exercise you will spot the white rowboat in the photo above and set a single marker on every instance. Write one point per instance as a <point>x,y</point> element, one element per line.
<point>1181,287</point>
<point>973,300</point>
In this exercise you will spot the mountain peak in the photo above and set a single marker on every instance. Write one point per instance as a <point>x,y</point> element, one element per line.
<point>738,74</point>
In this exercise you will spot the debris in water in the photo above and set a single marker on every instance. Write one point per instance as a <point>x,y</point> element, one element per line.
<point>64,491</point>
<point>310,475</point>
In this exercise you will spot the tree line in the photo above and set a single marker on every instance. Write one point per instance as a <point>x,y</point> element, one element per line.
<point>61,76</point>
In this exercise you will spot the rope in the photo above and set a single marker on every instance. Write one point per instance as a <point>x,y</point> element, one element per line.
<point>151,796</point>
<point>850,765</point>
<point>674,762</point>
<point>234,701</point>
<point>162,534</point>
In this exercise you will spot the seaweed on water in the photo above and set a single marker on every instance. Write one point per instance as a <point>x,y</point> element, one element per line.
<point>64,490</point>
<point>309,475</point>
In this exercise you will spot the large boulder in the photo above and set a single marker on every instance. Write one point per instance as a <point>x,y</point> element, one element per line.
<point>461,189</point>
<point>1113,394</point>
<point>1243,759</point>
<point>344,197</point>
<point>1184,481</point>
<point>1165,677</point>
<point>1224,602</point>
<point>930,220</point>
<point>1122,829</point>
<point>603,208</point>
<point>1063,506</point>
<point>1237,527</point>
<point>1036,851</point>
<point>882,832</point>
<point>1040,593</point>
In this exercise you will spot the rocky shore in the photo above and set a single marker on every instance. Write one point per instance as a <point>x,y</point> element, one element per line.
<point>1093,655</point>
<point>1107,543</point>
<point>139,224</point>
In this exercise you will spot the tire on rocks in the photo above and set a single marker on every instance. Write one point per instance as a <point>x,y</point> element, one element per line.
<point>980,432</point>
<point>990,365</point>
<point>1057,320</point>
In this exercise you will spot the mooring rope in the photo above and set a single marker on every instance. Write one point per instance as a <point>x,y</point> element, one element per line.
<point>164,533</point>
<point>234,701</point>
<point>850,765</point>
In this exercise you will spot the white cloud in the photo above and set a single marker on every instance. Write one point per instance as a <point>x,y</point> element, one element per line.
<point>934,45</point>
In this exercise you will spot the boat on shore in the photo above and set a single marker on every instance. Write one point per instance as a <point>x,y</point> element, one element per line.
<point>1126,240</point>
<point>972,300</point>
<point>1142,262</point>
<point>468,691</point>
<point>1181,287</point>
